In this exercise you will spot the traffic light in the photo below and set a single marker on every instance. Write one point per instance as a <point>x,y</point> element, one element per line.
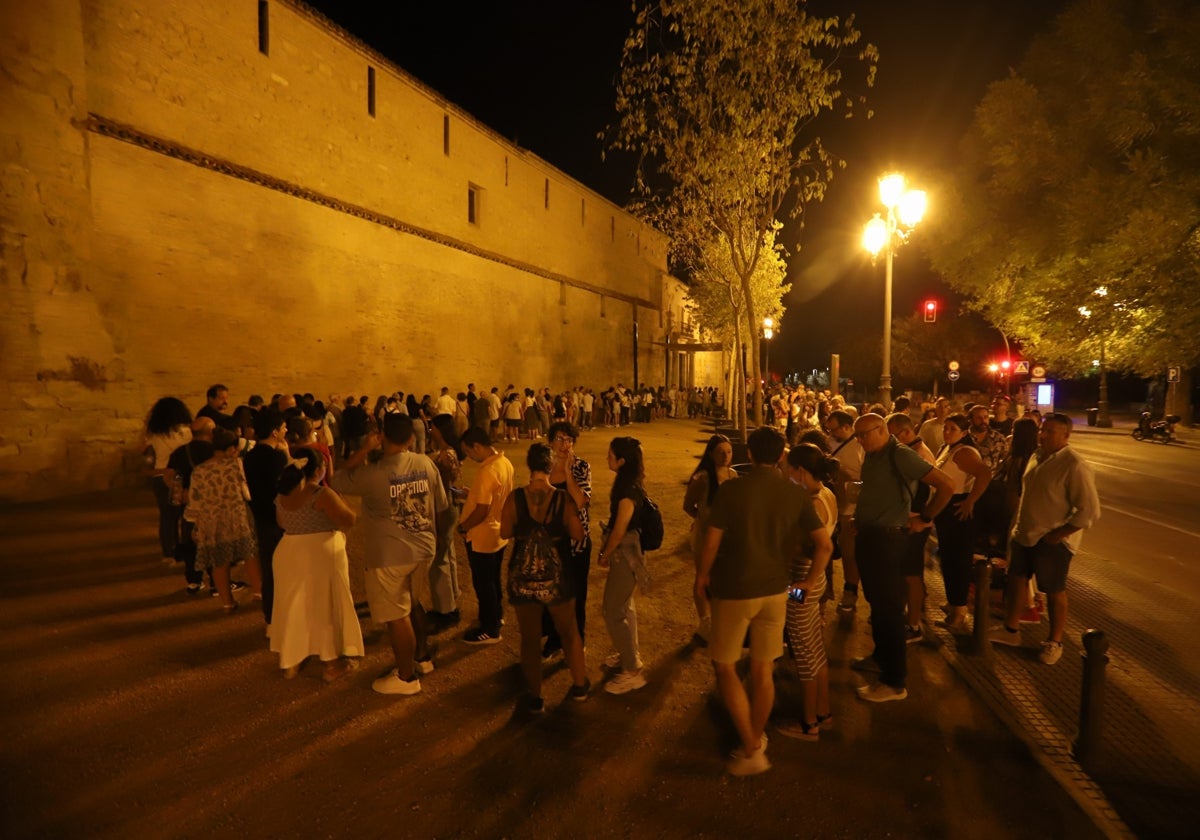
<point>1005,365</point>
<point>930,311</point>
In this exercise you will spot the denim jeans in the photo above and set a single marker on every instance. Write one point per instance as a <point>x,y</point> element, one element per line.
<point>880,553</point>
<point>443,572</point>
<point>620,615</point>
<point>168,517</point>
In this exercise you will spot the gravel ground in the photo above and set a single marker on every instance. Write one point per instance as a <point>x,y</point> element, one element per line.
<point>130,710</point>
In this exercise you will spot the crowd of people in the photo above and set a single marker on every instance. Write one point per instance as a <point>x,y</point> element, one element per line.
<point>263,488</point>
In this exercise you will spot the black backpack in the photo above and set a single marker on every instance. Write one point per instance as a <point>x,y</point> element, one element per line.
<point>650,526</point>
<point>536,571</point>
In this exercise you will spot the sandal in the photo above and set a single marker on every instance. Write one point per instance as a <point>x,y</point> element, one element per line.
<point>339,669</point>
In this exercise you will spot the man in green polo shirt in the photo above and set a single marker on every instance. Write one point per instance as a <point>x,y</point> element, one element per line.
<point>758,521</point>
<point>890,473</point>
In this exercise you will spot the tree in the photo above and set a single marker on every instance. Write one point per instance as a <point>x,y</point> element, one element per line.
<point>716,298</point>
<point>922,352</point>
<point>717,99</point>
<point>1081,173</point>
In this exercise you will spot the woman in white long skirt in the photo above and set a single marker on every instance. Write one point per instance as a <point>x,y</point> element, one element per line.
<point>313,609</point>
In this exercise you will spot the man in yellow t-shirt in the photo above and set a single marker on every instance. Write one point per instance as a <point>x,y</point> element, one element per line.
<point>480,526</point>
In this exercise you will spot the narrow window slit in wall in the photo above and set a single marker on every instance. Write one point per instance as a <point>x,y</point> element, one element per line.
<point>371,91</point>
<point>264,28</point>
<point>603,313</point>
<point>547,197</point>
<point>446,134</point>
<point>506,170</point>
<point>583,211</point>
<point>474,199</point>
<point>612,228</point>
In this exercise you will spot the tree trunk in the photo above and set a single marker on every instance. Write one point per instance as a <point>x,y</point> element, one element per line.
<point>752,333</point>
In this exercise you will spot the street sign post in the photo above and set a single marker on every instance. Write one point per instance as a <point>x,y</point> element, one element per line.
<point>1022,366</point>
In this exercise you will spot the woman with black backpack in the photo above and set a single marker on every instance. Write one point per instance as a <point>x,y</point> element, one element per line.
<point>542,520</point>
<point>622,556</point>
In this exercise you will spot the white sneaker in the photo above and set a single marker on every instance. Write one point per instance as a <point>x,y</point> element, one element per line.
<point>881,693</point>
<point>1051,652</point>
<point>392,684</point>
<point>1000,635</point>
<point>423,666</point>
<point>624,682</point>
<point>613,661</point>
<point>740,764</point>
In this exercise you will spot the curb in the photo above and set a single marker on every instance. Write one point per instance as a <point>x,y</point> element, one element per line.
<point>1055,757</point>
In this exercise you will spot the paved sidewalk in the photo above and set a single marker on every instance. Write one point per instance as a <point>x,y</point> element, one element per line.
<point>1145,773</point>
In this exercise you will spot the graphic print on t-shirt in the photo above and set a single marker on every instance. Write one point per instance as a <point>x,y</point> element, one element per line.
<point>411,502</point>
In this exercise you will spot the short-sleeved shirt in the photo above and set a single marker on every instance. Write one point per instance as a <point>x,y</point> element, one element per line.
<point>1059,489</point>
<point>491,487</point>
<point>763,517</point>
<point>402,497</point>
<point>887,491</point>
<point>187,457</point>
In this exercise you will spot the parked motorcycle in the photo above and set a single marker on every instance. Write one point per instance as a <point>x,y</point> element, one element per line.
<point>1162,431</point>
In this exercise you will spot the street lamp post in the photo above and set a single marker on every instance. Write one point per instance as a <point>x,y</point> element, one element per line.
<point>768,332</point>
<point>905,208</point>
<point>1103,420</point>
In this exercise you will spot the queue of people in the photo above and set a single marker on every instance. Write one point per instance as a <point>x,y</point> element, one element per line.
<point>266,493</point>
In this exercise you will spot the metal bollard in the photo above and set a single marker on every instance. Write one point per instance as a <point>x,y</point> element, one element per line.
<point>1091,705</point>
<point>983,608</point>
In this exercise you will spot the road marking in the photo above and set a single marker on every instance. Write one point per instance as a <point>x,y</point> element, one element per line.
<point>1108,466</point>
<point>1151,521</point>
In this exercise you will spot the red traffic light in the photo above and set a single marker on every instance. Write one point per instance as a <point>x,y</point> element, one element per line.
<point>930,311</point>
<point>1005,365</point>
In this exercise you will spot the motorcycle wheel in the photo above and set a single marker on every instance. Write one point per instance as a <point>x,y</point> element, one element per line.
<point>1137,434</point>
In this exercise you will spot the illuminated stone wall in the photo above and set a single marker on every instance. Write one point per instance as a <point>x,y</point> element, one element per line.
<point>178,208</point>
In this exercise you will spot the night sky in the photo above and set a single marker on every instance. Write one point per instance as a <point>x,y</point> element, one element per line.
<point>542,73</point>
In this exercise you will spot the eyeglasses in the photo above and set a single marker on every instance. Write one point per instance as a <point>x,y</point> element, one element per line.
<point>563,439</point>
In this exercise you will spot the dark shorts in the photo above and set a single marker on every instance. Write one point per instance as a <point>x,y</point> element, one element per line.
<point>913,562</point>
<point>1047,562</point>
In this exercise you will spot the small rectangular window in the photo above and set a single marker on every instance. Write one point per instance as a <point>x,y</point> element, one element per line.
<point>264,28</point>
<point>547,198</point>
<point>474,195</point>
<point>612,228</point>
<point>506,170</point>
<point>583,211</point>
<point>446,134</point>
<point>371,91</point>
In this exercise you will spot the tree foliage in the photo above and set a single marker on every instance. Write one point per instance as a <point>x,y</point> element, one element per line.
<point>921,352</point>
<point>715,296</point>
<point>1081,172</point>
<point>716,98</point>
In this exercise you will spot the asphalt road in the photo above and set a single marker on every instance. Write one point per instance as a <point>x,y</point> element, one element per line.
<point>1150,526</point>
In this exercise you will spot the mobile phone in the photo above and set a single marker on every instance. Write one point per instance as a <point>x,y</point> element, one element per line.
<point>797,594</point>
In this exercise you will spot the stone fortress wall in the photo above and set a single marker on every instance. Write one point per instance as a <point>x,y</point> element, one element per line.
<point>240,192</point>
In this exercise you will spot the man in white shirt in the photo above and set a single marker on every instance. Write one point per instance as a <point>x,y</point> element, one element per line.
<point>445,403</point>
<point>1058,502</point>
